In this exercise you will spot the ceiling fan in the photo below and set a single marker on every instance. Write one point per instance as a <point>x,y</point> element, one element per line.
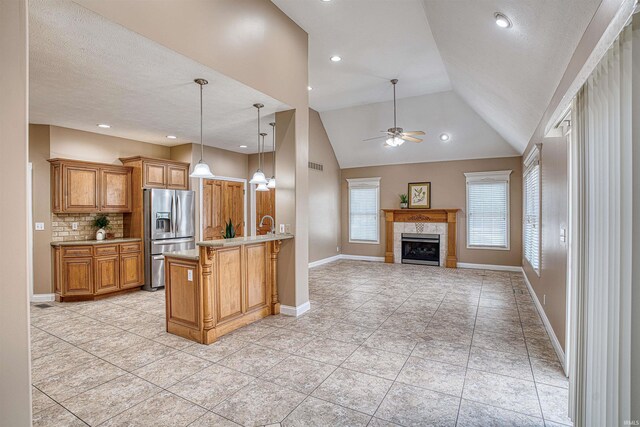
<point>397,136</point>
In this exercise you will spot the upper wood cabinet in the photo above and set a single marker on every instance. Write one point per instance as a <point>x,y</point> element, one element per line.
<point>84,187</point>
<point>160,173</point>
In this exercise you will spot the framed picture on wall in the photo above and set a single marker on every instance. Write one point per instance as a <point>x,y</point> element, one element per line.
<point>419,195</point>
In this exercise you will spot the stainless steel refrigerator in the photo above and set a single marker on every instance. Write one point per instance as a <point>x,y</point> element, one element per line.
<point>169,226</point>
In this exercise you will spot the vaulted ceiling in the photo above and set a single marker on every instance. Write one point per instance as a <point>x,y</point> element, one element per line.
<point>505,76</point>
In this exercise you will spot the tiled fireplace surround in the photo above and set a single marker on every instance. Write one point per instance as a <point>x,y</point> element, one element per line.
<point>439,228</point>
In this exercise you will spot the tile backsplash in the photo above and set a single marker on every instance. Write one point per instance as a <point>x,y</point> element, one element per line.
<point>62,229</point>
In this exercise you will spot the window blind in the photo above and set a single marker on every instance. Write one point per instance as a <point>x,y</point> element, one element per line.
<point>488,213</point>
<point>532,216</point>
<point>363,212</point>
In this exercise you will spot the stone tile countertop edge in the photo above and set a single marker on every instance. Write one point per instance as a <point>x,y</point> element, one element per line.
<point>238,241</point>
<point>96,242</point>
<point>192,254</point>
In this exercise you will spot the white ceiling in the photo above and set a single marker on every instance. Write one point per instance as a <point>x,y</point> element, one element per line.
<point>506,76</point>
<point>471,136</point>
<point>86,70</point>
<point>378,40</point>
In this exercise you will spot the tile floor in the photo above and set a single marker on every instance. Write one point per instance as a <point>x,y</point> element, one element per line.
<point>383,345</point>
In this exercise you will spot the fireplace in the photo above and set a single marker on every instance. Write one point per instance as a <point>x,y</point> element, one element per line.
<point>421,249</point>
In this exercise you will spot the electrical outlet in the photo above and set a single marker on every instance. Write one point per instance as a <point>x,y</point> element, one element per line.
<point>282,228</point>
<point>74,225</point>
<point>563,235</point>
<point>287,228</point>
<point>39,226</point>
<point>190,275</point>
<point>544,299</point>
<point>337,248</point>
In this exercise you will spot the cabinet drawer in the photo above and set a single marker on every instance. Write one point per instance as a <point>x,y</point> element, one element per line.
<point>77,251</point>
<point>130,247</point>
<point>104,250</point>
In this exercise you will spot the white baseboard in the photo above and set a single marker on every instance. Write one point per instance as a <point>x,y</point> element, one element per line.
<point>325,261</point>
<point>43,297</point>
<point>362,258</point>
<point>513,268</point>
<point>547,325</point>
<point>288,310</point>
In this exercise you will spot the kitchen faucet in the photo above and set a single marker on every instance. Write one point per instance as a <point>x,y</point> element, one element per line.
<point>273,223</point>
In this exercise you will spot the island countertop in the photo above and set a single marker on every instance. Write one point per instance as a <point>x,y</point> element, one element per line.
<point>97,242</point>
<point>193,254</point>
<point>238,241</point>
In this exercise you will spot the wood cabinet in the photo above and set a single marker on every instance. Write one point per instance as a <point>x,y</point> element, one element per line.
<point>222,200</point>
<point>85,271</point>
<point>160,173</point>
<point>265,205</point>
<point>85,187</point>
<point>222,289</point>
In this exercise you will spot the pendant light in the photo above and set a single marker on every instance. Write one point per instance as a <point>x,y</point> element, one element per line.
<point>201,169</point>
<point>272,181</point>
<point>258,176</point>
<point>263,185</point>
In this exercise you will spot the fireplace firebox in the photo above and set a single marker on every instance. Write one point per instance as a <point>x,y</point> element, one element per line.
<point>421,249</point>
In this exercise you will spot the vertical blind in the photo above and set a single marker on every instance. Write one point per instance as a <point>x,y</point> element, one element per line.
<point>363,212</point>
<point>532,215</point>
<point>487,213</point>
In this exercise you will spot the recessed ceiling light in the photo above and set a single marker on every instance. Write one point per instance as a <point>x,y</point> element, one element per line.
<point>309,88</point>
<point>171,136</point>
<point>335,58</point>
<point>501,20</point>
<point>104,126</point>
<point>444,137</point>
<point>243,146</point>
<point>326,1</point>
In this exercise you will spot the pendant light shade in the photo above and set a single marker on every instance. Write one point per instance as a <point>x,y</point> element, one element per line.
<point>201,169</point>
<point>262,187</point>
<point>271,183</point>
<point>259,177</point>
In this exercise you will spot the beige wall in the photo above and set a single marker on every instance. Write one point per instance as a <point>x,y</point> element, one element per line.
<point>448,190</point>
<point>550,286</point>
<point>15,378</point>
<point>324,194</point>
<point>39,152</point>
<point>635,291</point>
<point>255,43</point>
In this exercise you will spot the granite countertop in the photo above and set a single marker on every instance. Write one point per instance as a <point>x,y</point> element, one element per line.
<point>96,242</point>
<point>238,241</point>
<point>192,254</point>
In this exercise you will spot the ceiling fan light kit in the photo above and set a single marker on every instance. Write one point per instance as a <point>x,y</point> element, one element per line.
<point>396,136</point>
<point>201,169</point>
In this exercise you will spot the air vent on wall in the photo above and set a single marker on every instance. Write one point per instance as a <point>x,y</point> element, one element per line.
<point>316,166</point>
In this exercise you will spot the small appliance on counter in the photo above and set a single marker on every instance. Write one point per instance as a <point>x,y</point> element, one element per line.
<point>169,217</point>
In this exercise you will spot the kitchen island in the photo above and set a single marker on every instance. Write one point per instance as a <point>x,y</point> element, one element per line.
<point>221,286</point>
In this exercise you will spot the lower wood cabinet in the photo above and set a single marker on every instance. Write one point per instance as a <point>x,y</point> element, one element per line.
<point>86,271</point>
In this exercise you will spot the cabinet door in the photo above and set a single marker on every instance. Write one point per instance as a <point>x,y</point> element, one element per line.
<point>228,284</point>
<point>131,271</point>
<point>213,222</point>
<point>77,276</point>
<point>265,205</point>
<point>154,175</point>
<point>106,274</point>
<point>116,190</point>
<point>178,177</point>
<point>256,294</point>
<point>183,295</point>
<point>234,205</point>
<point>80,189</point>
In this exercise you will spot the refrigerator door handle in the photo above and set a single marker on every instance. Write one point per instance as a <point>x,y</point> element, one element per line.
<point>177,213</point>
<point>173,215</point>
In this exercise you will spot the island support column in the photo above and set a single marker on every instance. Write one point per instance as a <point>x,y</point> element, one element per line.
<point>207,256</point>
<point>275,302</point>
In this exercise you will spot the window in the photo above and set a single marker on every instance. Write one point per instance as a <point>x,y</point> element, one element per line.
<point>364,210</point>
<point>532,209</point>
<point>488,210</point>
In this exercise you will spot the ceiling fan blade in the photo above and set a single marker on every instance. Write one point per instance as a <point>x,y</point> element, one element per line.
<point>377,137</point>
<point>410,138</point>
<point>413,132</point>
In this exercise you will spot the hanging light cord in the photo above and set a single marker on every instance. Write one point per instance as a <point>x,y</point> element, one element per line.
<point>259,148</point>
<point>273,164</point>
<point>201,145</point>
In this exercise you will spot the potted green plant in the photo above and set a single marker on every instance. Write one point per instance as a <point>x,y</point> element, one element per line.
<point>102,222</point>
<point>404,201</point>
<point>229,230</point>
